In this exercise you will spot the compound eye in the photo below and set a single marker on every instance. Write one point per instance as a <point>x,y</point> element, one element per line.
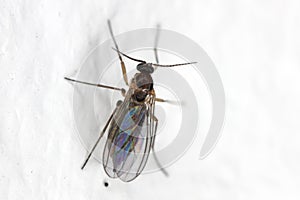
<point>145,67</point>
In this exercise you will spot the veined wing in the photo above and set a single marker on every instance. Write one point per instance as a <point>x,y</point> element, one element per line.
<point>129,141</point>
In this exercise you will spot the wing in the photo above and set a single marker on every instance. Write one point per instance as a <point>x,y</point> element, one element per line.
<point>129,141</point>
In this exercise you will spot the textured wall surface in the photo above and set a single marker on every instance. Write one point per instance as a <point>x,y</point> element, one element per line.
<point>255,47</point>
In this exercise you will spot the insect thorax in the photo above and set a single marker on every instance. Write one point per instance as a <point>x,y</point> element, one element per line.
<point>143,84</point>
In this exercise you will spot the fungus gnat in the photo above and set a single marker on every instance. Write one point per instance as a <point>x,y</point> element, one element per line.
<point>132,125</point>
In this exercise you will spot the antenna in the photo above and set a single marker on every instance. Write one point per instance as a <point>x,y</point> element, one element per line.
<point>188,63</point>
<point>137,60</point>
<point>154,64</point>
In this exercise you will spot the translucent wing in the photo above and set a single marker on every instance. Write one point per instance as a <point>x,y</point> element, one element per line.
<point>129,141</point>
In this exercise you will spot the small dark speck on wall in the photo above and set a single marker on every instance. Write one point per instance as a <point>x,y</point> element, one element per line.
<point>106,184</point>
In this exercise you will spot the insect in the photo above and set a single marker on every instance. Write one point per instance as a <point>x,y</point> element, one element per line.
<point>131,127</point>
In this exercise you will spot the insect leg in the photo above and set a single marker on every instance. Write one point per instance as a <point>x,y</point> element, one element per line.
<point>152,146</point>
<point>123,91</point>
<point>156,43</point>
<point>167,101</point>
<point>100,136</point>
<point>160,100</point>
<point>120,57</point>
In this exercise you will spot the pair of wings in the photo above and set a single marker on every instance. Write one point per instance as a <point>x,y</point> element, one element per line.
<point>130,138</point>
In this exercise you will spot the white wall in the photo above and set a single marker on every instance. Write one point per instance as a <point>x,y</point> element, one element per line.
<point>255,46</point>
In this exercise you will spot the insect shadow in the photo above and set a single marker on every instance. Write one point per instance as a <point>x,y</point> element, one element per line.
<point>132,125</point>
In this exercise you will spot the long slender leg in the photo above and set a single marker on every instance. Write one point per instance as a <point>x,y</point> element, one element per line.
<point>152,146</point>
<point>156,44</point>
<point>123,91</point>
<point>167,101</point>
<point>100,136</point>
<point>120,57</point>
